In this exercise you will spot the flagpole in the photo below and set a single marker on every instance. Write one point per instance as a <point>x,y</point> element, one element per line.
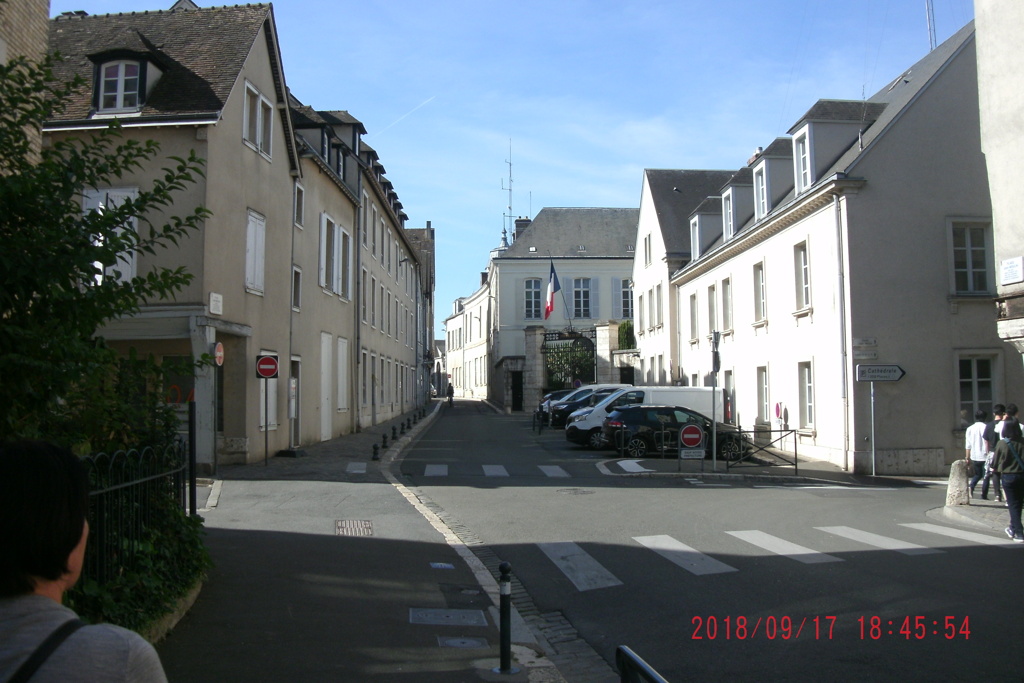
<point>568,311</point>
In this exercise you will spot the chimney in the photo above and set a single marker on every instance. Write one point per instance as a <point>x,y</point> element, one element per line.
<point>521,225</point>
<point>757,152</point>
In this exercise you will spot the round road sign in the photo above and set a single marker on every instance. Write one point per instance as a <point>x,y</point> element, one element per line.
<point>266,366</point>
<point>691,436</point>
<point>218,354</point>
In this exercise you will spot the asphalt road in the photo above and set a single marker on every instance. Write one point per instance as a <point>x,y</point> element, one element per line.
<point>712,580</point>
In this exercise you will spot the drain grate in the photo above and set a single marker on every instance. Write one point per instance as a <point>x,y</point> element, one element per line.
<point>353,527</point>
<point>574,492</point>
<point>462,642</point>
<point>447,617</point>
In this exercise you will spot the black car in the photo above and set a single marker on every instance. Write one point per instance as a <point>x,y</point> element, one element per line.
<point>638,431</point>
<point>560,412</point>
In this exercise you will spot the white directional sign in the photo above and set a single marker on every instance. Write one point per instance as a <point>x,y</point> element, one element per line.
<point>879,373</point>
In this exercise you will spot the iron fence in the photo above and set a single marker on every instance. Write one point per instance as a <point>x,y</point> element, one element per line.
<point>129,490</point>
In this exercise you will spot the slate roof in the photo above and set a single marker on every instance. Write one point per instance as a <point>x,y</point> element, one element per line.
<point>559,232</point>
<point>676,194</point>
<point>200,50</point>
<point>851,111</point>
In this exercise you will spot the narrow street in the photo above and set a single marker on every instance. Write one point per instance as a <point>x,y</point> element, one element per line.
<point>707,577</point>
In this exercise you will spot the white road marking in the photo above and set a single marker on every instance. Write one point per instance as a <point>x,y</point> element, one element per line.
<point>495,471</point>
<point>683,555</point>
<point>584,571</point>
<point>877,541</point>
<point>964,535</point>
<point>774,544</point>
<point>436,471</point>
<point>633,466</point>
<point>553,471</point>
<point>356,468</point>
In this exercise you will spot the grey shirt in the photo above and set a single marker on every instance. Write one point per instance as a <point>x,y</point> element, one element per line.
<point>93,653</point>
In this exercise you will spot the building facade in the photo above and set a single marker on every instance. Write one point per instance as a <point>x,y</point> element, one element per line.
<point>303,220</point>
<point>872,247</point>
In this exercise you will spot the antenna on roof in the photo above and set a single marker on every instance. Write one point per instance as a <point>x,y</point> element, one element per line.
<point>508,209</point>
<point>930,10</point>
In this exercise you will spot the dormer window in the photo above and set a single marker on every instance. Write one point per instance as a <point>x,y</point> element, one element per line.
<point>119,86</point>
<point>694,240</point>
<point>760,193</point>
<point>727,221</point>
<point>802,162</point>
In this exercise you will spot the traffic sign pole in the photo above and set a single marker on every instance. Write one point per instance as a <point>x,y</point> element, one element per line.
<point>872,374</point>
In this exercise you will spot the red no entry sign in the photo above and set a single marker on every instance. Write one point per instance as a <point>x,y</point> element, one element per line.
<point>266,367</point>
<point>691,436</point>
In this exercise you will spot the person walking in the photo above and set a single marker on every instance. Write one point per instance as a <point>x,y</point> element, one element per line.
<point>451,394</point>
<point>1009,463</point>
<point>992,429</point>
<point>975,448</point>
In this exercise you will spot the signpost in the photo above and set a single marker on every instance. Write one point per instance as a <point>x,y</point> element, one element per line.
<point>266,369</point>
<point>691,443</point>
<point>877,373</point>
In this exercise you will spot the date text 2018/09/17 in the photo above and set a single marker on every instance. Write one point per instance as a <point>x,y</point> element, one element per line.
<point>823,627</point>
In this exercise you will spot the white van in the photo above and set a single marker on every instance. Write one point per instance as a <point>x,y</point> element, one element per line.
<point>584,425</point>
<point>559,411</point>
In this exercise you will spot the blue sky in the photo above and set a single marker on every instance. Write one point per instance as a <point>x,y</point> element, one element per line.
<point>585,93</point>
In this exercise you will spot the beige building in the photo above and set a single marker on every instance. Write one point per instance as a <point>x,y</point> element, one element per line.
<point>1001,100</point>
<point>303,219</point>
<point>866,250</point>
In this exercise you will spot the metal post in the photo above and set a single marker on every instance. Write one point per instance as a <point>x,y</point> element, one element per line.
<point>192,458</point>
<point>266,420</point>
<point>873,453</point>
<point>505,619</point>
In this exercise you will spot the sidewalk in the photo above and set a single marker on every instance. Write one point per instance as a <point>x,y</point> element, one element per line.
<point>326,567</point>
<point>325,572</point>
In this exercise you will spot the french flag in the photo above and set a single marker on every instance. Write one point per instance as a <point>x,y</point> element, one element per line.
<point>552,288</point>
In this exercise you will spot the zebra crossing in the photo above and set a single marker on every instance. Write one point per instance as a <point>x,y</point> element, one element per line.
<point>442,470</point>
<point>587,573</point>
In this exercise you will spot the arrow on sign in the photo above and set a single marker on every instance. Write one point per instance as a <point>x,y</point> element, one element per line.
<point>879,373</point>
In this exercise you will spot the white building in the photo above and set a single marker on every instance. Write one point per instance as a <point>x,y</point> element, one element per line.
<point>872,246</point>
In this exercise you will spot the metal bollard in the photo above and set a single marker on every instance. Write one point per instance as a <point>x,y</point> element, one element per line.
<point>394,433</point>
<point>505,620</point>
<point>402,430</point>
<point>376,453</point>
<point>385,439</point>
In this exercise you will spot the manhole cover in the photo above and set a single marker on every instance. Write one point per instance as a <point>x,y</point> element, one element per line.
<point>574,492</point>
<point>466,643</point>
<point>447,617</point>
<point>353,527</point>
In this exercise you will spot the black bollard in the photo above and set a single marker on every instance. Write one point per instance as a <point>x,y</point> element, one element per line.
<point>394,433</point>
<point>402,430</point>
<point>408,424</point>
<point>376,453</point>
<point>505,620</point>
<point>385,439</point>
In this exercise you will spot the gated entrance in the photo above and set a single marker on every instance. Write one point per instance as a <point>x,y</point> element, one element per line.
<point>569,357</point>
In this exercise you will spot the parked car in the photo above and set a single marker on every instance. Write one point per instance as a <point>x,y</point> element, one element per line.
<point>549,398</point>
<point>640,431</point>
<point>584,426</point>
<point>561,410</point>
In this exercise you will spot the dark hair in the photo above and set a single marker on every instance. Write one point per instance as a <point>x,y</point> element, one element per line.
<point>1011,429</point>
<point>998,409</point>
<point>1011,409</point>
<point>980,415</point>
<point>44,498</point>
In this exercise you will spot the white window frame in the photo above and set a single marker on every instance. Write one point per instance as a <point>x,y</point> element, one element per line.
<point>760,192</point>
<point>258,123</point>
<point>120,92</point>
<point>974,260</point>
<point>299,216</point>
<point>694,320</point>
<point>344,372</point>
<point>977,386</point>
<point>694,239</point>
<point>345,261</point>
<point>255,252</point>
<point>581,298</point>
<point>627,300</point>
<point>764,414</point>
<point>802,276</point>
<point>727,305</point>
<point>533,310</point>
<point>760,294</point>
<point>127,261</point>
<point>658,319</point>
<point>296,288</point>
<point>640,314</point>
<point>803,178</point>
<point>329,249</point>
<point>805,381</point>
<point>728,228</point>
<point>268,403</point>
<point>712,308</point>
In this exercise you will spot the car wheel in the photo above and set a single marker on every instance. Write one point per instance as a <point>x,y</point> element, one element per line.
<point>730,449</point>
<point>595,440</point>
<point>637,447</point>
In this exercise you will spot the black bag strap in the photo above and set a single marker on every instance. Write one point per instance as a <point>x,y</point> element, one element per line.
<point>45,649</point>
<point>1016,455</point>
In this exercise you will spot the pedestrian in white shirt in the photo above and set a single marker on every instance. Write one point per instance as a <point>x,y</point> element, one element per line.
<point>976,449</point>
